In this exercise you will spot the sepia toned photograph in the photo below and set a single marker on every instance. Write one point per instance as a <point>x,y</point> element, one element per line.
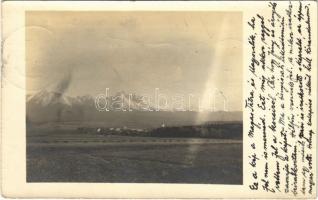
<point>134,97</point>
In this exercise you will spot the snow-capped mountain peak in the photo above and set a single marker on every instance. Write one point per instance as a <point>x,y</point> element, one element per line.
<point>130,102</point>
<point>45,98</point>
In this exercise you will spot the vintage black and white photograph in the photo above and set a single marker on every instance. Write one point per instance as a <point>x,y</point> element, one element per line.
<point>134,97</point>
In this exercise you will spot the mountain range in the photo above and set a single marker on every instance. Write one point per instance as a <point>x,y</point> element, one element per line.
<point>46,106</point>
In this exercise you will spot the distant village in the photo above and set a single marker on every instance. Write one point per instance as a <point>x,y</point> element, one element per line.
<point>217,130</point>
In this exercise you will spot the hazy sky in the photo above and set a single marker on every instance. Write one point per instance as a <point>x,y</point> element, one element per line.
<point>178,52</point>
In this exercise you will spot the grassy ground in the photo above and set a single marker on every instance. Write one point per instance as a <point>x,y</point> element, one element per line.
<point>71,157</point>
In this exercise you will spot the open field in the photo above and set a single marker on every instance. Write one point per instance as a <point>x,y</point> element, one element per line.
<point>68,156</point>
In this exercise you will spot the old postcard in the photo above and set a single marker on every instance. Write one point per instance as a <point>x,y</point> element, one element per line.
<point>159,99</point>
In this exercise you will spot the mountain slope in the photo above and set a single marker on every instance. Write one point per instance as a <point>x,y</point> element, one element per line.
<point>55,107</point>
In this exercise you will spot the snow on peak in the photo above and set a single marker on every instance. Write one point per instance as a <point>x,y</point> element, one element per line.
<point>46,98</point>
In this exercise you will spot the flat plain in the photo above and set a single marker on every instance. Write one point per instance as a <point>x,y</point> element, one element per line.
<point>65,155</point>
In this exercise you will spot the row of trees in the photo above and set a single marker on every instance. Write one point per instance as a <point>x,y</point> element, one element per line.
<point>217,131</point>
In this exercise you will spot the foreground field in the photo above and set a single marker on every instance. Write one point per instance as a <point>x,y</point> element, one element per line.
<point>95,158</point>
